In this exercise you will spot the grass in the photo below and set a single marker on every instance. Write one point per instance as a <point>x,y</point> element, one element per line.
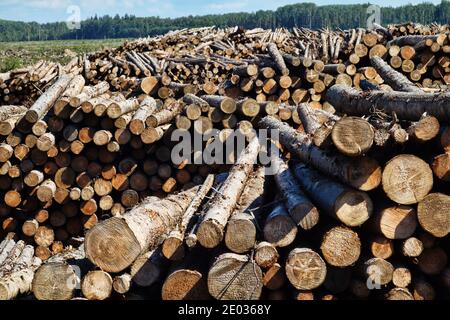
<point>19,54</point>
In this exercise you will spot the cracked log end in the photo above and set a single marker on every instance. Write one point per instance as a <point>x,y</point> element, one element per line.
<point>111,245</point>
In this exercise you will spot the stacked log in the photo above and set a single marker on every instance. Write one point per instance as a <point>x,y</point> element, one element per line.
<point>352,202</point>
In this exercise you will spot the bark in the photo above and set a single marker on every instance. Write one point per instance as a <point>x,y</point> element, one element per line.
<point>395,79</point>
<point>116,109</point>
<point>277,58</point>
<point>165,115</point>
<point>351,207</point>
<point>302,211</point>
<point>406,105</point>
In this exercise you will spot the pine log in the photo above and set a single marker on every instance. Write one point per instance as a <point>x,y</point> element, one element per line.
<point>352,207</point>
<point>406,105</point>
<point>279,228</point>
<point>361,173</point>
<point>302,211</point>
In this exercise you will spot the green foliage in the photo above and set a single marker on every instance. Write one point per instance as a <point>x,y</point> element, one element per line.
<point>301,14</point>
<point>10,63</point>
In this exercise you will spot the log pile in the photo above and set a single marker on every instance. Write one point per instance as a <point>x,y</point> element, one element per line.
<point>353,204</point>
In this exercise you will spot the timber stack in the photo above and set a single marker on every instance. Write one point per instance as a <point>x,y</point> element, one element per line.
<point>350,200</point>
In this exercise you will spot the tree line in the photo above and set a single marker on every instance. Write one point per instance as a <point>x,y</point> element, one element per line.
<point>300,15</point>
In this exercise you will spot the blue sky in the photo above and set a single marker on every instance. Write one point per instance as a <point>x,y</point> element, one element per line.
<point>57,10</point>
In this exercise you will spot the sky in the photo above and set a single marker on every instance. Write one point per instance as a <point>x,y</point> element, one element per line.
<point>63,10</point>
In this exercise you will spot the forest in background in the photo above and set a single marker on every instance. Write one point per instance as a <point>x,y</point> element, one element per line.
<point>300,15</point>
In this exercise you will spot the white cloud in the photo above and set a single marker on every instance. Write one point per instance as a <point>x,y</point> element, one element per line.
<point>228,5</point>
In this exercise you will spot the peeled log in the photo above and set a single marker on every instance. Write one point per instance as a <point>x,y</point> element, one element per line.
<point>433,213</point>
<point>362,173</point>
<point>302,211</point>
<point>395,79</point>
<point>211,230</point>
<point>235,277</point>
<point>42,105</point>
<point>407,179</point>
<point>305,269</point>
<point>115,243</point>
<point>341,247</point>
<point>352,207</point>
<point>406,105</point>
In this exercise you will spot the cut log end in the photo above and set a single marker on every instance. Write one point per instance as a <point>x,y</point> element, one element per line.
<point>353,208</point>
<point>111,245</point>
<point>352,136</point>
<point>185,285</point>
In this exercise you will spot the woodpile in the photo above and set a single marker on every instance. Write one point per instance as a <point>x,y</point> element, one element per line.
<point>353,202</point>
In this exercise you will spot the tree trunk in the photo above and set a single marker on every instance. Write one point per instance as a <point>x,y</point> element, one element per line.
<point>349,206</point>
<point>211,230</point>
<point>406,105</point>
<point>395,79</point>
<point>279,228</point>
<point>47,99</point>
<point>432,213</point>
<point>135,232</point>
<point>148,268</point>
<point>97,285</point>
<point>172,247</point>
<point>240,235</point>
<point>302,211</point>
<point>361,173</point>
<point>341,247</point>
